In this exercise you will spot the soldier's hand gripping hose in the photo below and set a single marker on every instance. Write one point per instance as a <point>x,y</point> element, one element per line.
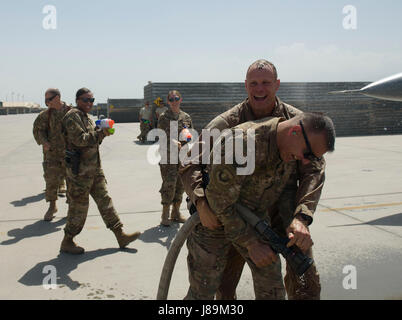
<point>296,259</point>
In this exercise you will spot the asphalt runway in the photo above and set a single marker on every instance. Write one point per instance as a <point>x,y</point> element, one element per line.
<point>357,228</point>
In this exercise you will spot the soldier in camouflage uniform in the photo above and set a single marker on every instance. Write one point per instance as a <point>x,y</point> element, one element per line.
<point>278,143</point>
<point>301,194</point>
<point>172,187</point>
<point>47,131</point>
<point>83,140</point>
<point>145,117</point>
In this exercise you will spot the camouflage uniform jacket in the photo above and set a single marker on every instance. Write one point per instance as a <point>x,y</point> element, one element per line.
<point>310,177</point>
<point>182,118</point>
<point>47,127</point>
<point>81,135</point>
<point>258,191</point>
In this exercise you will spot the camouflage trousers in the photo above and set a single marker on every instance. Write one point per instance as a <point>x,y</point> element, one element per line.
<point>54,174</point>
<point>306,287</point>
<point>79,189</point>
<point>145,128</point>
<point>208,254</point>
<point>172,188</point>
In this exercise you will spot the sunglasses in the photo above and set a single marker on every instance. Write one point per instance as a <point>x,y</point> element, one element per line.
<point>171,99</point>
<point>50,99</point>
<point>86,100</point>
<point>309,154</point>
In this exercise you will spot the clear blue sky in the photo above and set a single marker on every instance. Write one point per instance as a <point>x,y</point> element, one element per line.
<point>115,47</point>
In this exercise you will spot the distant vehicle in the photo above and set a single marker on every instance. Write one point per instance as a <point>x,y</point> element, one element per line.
<point>389,88</point>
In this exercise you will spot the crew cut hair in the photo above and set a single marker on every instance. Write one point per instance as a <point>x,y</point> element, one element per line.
<point>263,64</point>
<point>318,123</point>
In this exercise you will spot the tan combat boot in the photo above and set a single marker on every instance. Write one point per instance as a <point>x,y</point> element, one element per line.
<point>165,215</point>
<point>176,215</point>
<point>124,239</point>
<point>49,215</point>
<point>69,246</point>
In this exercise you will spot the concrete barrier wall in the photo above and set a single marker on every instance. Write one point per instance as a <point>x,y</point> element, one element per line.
<point>99,109</point>
<point>125,110</point>
<point>353,114</point>
<point>197,92</point>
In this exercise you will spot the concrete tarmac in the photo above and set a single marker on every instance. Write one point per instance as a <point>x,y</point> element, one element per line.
<point>357,228</point>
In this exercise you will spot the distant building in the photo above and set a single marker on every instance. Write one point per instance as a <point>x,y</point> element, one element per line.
<point>19,107</point>
<point>99,109</point>
<point>124,110</point>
